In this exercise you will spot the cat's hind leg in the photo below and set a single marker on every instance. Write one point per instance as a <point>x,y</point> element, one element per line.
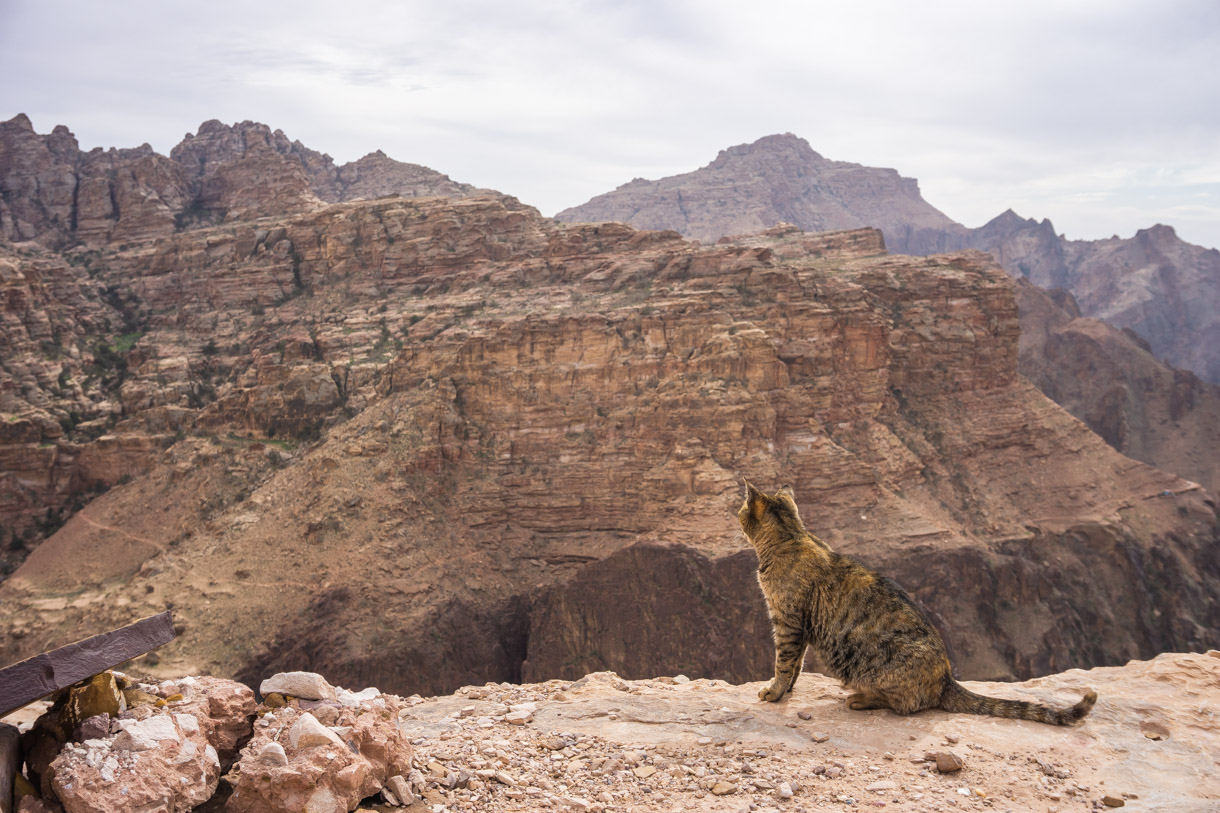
<point>863,701</point>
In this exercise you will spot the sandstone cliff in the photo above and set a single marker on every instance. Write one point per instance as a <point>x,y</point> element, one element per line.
<point>426,442</point>
<point>1110,379</point>
<point>1155,284</point>
<point>52,192</point>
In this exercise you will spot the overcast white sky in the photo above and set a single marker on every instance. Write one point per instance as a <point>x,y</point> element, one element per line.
<point>1101,115</point>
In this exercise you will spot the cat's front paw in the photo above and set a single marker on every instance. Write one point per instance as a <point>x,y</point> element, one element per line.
<point>770,693</point>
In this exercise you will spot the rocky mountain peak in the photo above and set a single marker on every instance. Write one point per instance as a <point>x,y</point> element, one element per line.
<point>20,121</point>
<point>772,146</point>
<point>778,178</point>
<point>1159,234</point>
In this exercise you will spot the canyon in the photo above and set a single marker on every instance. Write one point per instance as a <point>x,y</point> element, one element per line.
<point>415,435</point>
<point>1154,289</point>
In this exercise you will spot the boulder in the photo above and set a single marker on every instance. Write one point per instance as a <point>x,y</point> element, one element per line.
<point>164,754</point>
<point>305,685</point>
<point>295,763</point>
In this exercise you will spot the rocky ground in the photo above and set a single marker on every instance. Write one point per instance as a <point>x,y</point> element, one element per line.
<point>602,743</point>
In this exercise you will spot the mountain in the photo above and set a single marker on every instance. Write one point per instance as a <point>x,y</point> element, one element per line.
<point>428,442</point>
<point>777,179</point>
<point>1163,289</point>
<point>52,192</point>
<point>1155,283</point>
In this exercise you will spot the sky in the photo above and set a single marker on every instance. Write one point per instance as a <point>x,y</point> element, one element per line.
<point>1102,116</point>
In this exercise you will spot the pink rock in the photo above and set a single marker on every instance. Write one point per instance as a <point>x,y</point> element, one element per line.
<point>164,759</point>
<point>321,775</point>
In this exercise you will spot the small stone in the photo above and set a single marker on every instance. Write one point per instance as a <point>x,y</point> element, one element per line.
<point>554,743</point>
<point>1112,801</point>
<point>704,741</point>
<point>819,736</point>
<point>307,732</point>
<point>834,772</point>
<point>504,779</point>
<point>948,762</point>
<point>883,785</point>
<point>784,790</point>
<point>963,791</point>
<point>804,715</point>
<point>467,711</point>
<point>644,771</point>
<point>518,717</point>
<point>307,685</point>
<point>96,727</point>
<point>723,788</point>
<point>952,739</point>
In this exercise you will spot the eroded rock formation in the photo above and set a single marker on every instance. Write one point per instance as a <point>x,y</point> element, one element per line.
<point>421,440</point>
<point>1154,283</point>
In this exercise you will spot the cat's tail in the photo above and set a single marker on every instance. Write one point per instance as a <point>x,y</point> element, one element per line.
<point>957,697</point>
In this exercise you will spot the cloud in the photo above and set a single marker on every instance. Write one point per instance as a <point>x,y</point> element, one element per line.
<point>1059,110</point>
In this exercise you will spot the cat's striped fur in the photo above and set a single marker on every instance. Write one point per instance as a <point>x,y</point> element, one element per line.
<point>868,632</point>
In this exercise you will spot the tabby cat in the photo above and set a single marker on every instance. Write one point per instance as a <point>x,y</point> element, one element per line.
<point>869,633</point>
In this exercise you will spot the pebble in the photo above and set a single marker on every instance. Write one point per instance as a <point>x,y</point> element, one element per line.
<point>1112,801</point>
<point>818,736</point>
<point>518,717</point>
<point>785,790</point>
<point>804,715</point>
<point>723,788</point>
<point>948,762</point>
<point>883,785</point>
<point>644,771</point>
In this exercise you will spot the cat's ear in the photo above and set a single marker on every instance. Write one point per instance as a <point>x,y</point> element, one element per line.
<point>752,493</point>
<point>788,497</point>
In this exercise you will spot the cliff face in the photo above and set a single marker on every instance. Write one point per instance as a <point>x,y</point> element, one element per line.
<point>1110,379</point>
<point>1163,289</point>
<point>428,442</point>
<point>777,179</point>
<point>52,192</point>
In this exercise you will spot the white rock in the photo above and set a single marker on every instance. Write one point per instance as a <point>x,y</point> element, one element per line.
<point>353,699</point>
<point>143,735</point>
<point>307,732</point>
<point>785,790</point>
<point>305,685</point>
<point>272,754</point>
<point>187,723</point>
<point>884,784</point>
<point>518,717</point>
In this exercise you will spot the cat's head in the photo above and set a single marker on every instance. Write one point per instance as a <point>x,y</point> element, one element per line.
<point>763,513</point>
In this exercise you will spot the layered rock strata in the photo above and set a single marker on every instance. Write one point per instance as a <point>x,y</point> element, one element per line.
<point>435,441</point>
<point>1154,284</point>
<point>52,192</point>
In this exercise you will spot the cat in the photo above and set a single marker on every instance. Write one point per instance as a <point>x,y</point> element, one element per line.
<point>868,632</point>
